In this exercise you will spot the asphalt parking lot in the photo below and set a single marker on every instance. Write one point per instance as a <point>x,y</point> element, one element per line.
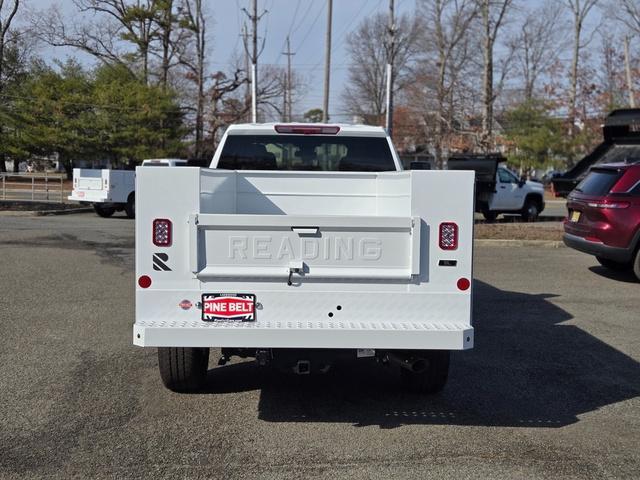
<point>550,391</point>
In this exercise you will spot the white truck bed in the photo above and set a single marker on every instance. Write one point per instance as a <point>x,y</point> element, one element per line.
<point>102,186</point>
<point>361,251</point>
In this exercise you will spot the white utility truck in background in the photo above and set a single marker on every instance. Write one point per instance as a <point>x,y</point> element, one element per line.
<point>300,244</point>
<point>498,190</point>
<point>111,191</point>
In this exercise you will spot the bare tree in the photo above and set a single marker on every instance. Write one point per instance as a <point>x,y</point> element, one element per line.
<point>629,16</point>
<point>627,12</point>
<point>178,25</point>
<point>611,75</point>
<point>228,104</point>
<point>5,24</point>
<point>537,44</point>
<point>117,24</point>
<point>365,94</point>
<point>165,20</point>
<point>446,45</point>
<point>579,11</point>
<point>493,13</point>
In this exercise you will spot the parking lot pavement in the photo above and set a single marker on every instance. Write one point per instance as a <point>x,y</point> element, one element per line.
<point>550,391</point>
<point>555,208</point>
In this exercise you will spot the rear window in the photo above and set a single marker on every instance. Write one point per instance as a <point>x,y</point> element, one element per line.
<point>598,182</point>
<point>305,152</point>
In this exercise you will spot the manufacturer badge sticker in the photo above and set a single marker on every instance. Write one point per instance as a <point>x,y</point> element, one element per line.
<point>160,261</point>
<point>185,304</point>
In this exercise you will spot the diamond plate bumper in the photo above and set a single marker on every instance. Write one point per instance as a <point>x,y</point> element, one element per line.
<point>328,334</point>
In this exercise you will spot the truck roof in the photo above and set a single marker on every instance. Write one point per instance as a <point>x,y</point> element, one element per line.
<point>177,160</point>
<point>269,128</point>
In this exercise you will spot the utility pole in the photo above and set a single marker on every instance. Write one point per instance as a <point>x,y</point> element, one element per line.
<point>391,34</point>
<point>327,63</point>
<point>288,84</point>
<point>254,18</point>
<point>627,65</point>
<point>245,39</point>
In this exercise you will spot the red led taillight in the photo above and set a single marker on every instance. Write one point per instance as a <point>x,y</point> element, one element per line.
<point>308,129</point>
<point>144,281</point>
<point>608,204</point>
<point>448,237</point>
<point>161,232</point>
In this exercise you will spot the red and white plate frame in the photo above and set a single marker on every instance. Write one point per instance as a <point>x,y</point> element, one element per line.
<point>246,300</point>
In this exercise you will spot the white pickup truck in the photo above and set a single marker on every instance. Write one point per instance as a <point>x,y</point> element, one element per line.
<point>111,191</point>
<point>302,243</point>
<point>498,190</point>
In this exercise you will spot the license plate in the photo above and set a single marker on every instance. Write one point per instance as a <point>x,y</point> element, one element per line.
<point>234,307</point>
<point>575,216</point>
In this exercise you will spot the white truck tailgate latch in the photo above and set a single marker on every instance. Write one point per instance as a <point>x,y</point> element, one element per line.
<point>296,266</point>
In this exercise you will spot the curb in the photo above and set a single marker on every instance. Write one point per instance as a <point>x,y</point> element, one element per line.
<point>68,211</point>
<point>16,213</point>
<point>486,242</point>
<point>549,219</point>
<point>40,213</point>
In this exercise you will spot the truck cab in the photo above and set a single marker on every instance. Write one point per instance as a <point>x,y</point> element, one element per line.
<point>165,162</point>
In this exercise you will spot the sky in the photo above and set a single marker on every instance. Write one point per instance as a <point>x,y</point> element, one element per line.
<point>303,20</point>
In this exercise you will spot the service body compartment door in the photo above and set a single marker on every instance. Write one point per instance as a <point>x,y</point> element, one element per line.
<point>299,247</point>
<point>89,179</point>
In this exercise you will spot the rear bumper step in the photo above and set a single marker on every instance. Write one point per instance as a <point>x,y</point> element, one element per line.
<point>342,334</point>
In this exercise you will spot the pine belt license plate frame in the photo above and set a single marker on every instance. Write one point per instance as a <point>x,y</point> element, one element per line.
<point>229,314</point>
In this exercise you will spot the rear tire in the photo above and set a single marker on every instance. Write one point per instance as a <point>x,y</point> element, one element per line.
<point>636,264</point>
<point>613,265</point>
<point>530,211</point>
<point>183,369</point>
<point>104,212</point>
<point>489,216</point>
<point>433,378</point>
<point>130,207</point>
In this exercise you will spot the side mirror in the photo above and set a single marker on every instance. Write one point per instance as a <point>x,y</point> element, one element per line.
<point>522,182</point>
<point>419,165</point>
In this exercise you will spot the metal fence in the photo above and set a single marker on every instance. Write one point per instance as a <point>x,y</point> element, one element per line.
<point>33,187</point>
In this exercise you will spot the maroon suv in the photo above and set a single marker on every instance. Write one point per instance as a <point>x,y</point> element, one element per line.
<point>604,216</point>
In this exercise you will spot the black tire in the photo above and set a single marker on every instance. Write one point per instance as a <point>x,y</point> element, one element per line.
<point>613,265</point>
<point>433,378</point>
<point>636,264</point>
<point>103,211</point>
<point>489,216</point>
<point>531,210</point>
<point>183,369</point>
<point>130,207</point>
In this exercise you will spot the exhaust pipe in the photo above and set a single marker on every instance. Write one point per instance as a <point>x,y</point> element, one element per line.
<point>411,363</point>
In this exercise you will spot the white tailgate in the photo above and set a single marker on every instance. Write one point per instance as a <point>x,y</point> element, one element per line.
<point>85,183</point>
